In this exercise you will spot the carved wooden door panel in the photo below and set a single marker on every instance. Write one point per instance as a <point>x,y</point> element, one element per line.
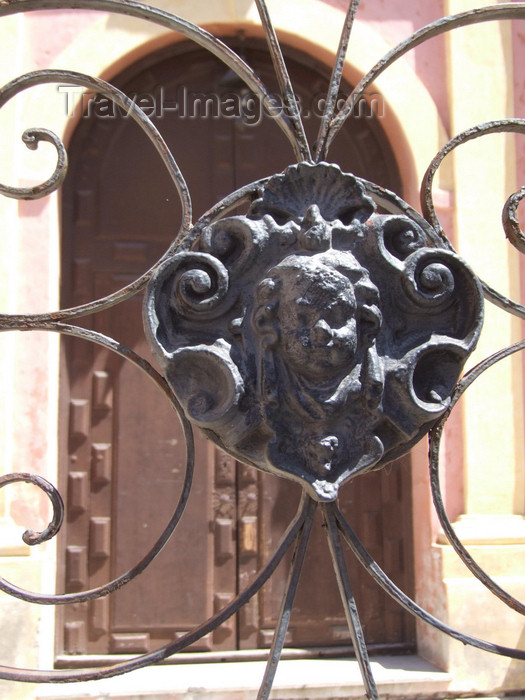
<point>377,507</point>
<point>122,448</point>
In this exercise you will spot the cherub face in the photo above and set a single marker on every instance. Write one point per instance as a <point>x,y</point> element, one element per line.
<point>317,321</point>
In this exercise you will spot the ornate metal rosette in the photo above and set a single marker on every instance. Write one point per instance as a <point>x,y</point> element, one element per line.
<point>313,337</point>
<point>317,335</point>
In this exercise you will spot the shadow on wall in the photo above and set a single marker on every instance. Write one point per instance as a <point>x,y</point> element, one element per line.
<point>514,675</point>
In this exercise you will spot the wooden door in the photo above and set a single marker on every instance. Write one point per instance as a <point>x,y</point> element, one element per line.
<point>122,450</point>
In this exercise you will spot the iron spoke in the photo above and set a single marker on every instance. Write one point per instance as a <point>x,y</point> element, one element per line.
<point>285,84</point>
<point>379,576</point>
<point>347,596</point>
<point>287,601</point>
<point>335,83</point>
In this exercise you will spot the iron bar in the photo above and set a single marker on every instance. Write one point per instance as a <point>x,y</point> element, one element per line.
<point>511,224</point>
<point>495,127</point>
<point>43,77</point>
<point>44,321</point>
<point>285,84</point>
<point>31,138</point>
<point>347,596</point>
<point>335,82</point>
<point>508,10</point>
<point>410,605</point>
<point>287,600</point>
<point>503,302</point>
<point>51,76</point>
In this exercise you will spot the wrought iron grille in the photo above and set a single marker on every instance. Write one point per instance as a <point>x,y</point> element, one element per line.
<point>236,311</point>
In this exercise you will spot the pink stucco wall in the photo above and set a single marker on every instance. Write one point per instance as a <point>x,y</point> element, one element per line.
<point>518,38</point>
<point>28,506</point>
<point>395,20</point>
<point>50,32</point>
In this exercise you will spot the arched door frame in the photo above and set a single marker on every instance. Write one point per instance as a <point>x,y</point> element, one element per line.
<point>401,88</point>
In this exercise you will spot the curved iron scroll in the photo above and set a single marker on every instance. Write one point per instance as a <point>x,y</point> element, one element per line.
<point>218,308</point>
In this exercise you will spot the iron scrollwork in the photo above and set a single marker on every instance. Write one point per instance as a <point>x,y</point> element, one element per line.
<point>313,336</point>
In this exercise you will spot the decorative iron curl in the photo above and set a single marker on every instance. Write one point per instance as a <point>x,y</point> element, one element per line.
<point>24,82</point>
<point>44,77</point>
<point>510,222</point>
<point>101,591</point>
<point>131,8</point>
<point>31,138</point>
<point>31,537</point>
<point>199,284</point>
<point>494,127</point>
<point>428,279</point>
<point>434,444</point>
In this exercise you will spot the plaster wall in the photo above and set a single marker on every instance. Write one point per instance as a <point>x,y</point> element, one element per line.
<point>484,174</point>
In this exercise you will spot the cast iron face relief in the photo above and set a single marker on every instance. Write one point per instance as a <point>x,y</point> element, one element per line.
<point>314,337</point>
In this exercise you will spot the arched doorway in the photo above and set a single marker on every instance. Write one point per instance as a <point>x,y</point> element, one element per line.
<point>121,448</point>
